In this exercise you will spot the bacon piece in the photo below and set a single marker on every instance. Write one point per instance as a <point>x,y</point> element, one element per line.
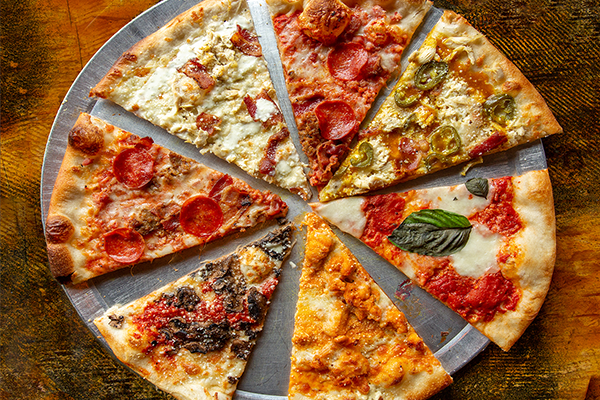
<point>268,163</point>
<point>252,107</point>
<point>222,183</point>
<point>201,216</point>
<point>346,61</point>
<point>336,119</point>
<point>124,245</point>
<point>207,122</point>
<point>410,157</point>
<point>329,156</point>
<point>198,72</point>
<point>497,139</point>
<point>246,42</point>
<point>134,167</point>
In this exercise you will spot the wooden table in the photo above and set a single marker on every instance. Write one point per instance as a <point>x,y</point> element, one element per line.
<point>46,352</point>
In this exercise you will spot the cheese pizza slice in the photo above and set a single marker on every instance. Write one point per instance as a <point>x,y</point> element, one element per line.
<point>337,56</point>
<point>192,338</point>
<point>203,78</point>
<point>459,99</point>
<point>485,248</point>
<point>120,199</point>
<point>350,341</point>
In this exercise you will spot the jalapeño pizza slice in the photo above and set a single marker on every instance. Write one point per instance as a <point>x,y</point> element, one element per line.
<point>459,99</point>
<point>192,338</point>
<point>120,199</point>
<point>486,248</point>
<point>350,341</point>
<point>336,57</point>
<point>203,78</point>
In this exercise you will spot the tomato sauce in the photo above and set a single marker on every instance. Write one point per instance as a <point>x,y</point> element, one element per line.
<point>500,216</point>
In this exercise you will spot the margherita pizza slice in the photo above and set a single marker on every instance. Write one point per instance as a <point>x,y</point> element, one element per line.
<point>120,199</point>
<point>336,57</point>
<point>350,341</point>
<point>203,78</point>
<point>192,338</point>
<point>458,99</point>
<point>485,248</point>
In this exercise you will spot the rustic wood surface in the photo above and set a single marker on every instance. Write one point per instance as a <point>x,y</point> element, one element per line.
<point>46,352</point>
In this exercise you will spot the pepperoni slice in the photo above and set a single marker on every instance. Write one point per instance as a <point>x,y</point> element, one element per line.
<point>346,61</point>
<point>336,119</point>
<point>201,216</point>
<point>134,167</point>
<point>124,245</point>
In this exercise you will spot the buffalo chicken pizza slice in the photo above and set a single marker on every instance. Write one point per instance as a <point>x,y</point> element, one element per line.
<point>192,338</point>
<point>203,78</point>
<point>336,57</point>
<point>350,341</point>
<point>485,248</point>
<point>459,99</point>
<point>120,199</point>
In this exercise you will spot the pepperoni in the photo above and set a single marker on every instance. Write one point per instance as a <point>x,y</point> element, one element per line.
<point>302,106</point>
<point>134,167</point>
<point>490,144</point>
<point>246,42</point>
<point>336,119</point>
<point>201,216</point>
<point>124,245</point>
<point>207,122</point>
<point>198,72</point>
<point>346,61</point>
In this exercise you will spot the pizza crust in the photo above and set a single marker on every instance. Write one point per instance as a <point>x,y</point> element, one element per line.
<point>537,245</point>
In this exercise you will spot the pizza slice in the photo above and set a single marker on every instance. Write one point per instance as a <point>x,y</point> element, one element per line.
<point>192,338</point>
<point>336,57</point>
<point>459,99</point>
<point>485,248</point>
<point>203,78</point>
<point>349,340</point>
<point>120,199</point>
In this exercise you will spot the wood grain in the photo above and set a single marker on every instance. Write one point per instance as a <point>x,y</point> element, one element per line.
<point>46,352</point>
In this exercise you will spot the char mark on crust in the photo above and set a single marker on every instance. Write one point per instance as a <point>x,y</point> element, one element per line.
<point>59,229</point>
<point>61,262</point>
<point>85,137</point>
<point>281,237</point>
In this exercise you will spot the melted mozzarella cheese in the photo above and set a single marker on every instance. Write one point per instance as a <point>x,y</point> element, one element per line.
<point>456,199</point>
<point>479,254</point>
<point>346,214</point>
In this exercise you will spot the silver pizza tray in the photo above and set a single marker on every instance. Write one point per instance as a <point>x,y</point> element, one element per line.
<point>453,341</point>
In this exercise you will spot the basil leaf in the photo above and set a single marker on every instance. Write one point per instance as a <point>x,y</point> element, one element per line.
<point>478,186</point>
<point>432,233</point>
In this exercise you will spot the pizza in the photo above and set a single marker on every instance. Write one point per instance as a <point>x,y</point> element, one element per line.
<point>485,248</point>
<point>349,340</point>
<point>458,99</point>
<point>203,78</point>
<point>192,337</point>
<point>120,199</point>
<point>336,57</point>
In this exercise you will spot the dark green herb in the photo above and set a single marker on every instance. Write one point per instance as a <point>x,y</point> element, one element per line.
<point>432,233</point>
<point>478,186</point>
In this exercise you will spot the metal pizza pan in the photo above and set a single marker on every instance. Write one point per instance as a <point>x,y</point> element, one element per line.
<point>453,341</point>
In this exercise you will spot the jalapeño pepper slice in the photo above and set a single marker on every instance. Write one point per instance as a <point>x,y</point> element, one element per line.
<point>445,140</point>
<point>403,97</point>
<point>430,74</point>
<point>500,108</point>
<point>364,157</point>
<point>432,159</point>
